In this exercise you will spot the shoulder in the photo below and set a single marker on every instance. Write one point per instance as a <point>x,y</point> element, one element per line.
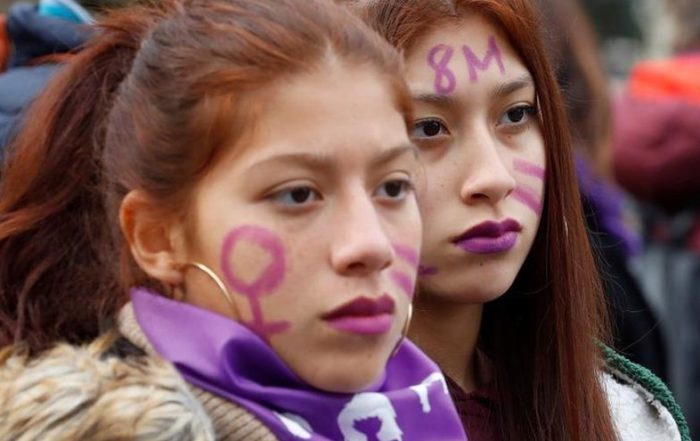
<point>641,405</point>
<point>90,393</point>
<point>19,86</point>
<point>231,422</point>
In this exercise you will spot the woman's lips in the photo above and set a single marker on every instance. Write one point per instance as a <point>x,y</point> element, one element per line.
<point>489,237</point>
<point>364,316</point>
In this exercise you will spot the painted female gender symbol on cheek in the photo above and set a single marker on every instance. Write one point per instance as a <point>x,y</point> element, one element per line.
<point>403,280</point>
<point>268,280</point>
<point>525,194</point>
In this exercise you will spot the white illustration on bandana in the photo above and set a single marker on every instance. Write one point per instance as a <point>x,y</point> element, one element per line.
<point>296,425</point>
<point>422,389</point>
<point>368,405</point>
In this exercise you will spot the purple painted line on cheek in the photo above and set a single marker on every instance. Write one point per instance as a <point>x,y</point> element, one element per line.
<point>493,52</point>
<point>529,168</point>
<point>443,74</point>
<point>404,281</point>
<point>268,281</point>
<point>528,198</point>
<point>407,253</point>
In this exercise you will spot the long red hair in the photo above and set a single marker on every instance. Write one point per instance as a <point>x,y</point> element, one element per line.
<point>148,104</point>
<point>542,335</point>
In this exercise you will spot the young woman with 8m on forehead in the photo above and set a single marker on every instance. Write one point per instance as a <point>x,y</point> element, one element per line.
<point>508,302</point>
<point>249,165</point>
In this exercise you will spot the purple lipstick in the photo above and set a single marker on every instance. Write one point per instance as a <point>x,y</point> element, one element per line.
<point>489,237</point>
<point>364,316</point>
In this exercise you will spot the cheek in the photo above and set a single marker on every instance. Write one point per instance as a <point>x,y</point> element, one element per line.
<point>253,262</point>
<point>435,191</point>
<point>404,273</point>
<point>530,176</point>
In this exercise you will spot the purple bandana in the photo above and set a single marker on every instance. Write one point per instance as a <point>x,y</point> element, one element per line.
<point>410,403</point>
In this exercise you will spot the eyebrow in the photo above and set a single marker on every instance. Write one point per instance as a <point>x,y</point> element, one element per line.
<point>436,99</point>
<point>393,153</point>
<point>324,161</point>
<point>505,89</point>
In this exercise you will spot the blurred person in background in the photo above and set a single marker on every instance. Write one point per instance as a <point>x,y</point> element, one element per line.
<point>657,159</point>
<point>34,39</point>
<point>573,48</point>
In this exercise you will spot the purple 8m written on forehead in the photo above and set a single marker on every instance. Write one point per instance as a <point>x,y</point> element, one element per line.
<point>445,80</point>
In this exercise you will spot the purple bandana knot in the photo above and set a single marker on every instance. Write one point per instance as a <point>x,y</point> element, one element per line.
<point>409,403</point>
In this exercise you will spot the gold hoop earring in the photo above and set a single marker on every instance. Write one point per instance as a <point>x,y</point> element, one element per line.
<point>404,331</point>
<point>215,278</point>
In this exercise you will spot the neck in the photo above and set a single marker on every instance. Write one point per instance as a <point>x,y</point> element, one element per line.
<point>448,333</point>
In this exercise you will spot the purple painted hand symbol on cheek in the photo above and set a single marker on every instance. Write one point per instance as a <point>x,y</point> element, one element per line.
<point>267,281</point>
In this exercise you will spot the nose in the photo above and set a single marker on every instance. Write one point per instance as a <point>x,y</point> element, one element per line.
<point>360,245</point>
<point>488,177</point>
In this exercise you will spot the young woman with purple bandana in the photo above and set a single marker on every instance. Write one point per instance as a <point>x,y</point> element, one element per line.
<point>509,303</point>
<point>227,185</point>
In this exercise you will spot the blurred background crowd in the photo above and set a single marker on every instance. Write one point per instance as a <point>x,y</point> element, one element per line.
<point>630,73</point>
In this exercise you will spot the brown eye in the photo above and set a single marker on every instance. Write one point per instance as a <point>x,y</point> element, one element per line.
<point>297,195</point>
<point>518,115</point>
<point>395,189</point>
<point>300,195</point>
<point>429,128</point>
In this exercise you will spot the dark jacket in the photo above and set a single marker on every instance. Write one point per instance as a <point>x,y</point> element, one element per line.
<point>32,37</point>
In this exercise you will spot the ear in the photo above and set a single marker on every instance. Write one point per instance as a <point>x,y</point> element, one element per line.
<point>155,241</point>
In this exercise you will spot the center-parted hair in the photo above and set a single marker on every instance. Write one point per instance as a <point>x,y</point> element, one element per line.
<point>543,334</point>
<point>148,104</point>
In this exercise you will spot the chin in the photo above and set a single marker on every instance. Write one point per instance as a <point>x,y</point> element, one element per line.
<point>468,287</point>
<point>346,376</point>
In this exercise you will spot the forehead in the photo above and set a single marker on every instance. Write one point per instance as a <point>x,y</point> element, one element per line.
<point>459,54</point>
<point>337,110</point>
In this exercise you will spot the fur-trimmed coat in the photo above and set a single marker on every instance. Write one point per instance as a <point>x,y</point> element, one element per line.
<point>116,388</point>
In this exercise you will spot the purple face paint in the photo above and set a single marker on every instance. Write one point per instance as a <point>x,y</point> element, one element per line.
<point>404,281</point>
<point>268,281</point>
<point>407,254</point>
<point>529,198</point>
<point>474,63</point>
<point>427,271</point>
<point>445,81</point>
<point>529,168</point>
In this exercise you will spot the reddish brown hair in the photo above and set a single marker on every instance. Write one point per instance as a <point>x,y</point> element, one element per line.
<point>148,105</point>
<point>542,335</point>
